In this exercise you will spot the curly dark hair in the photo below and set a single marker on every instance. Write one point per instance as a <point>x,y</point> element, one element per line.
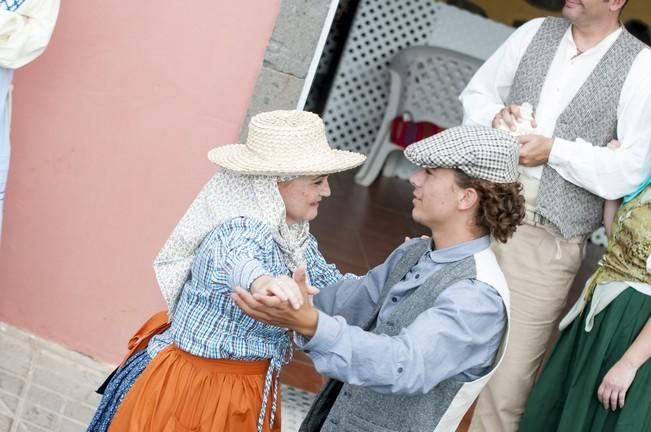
<point>501,205</point>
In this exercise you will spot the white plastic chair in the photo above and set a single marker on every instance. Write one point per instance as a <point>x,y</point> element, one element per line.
<point>426,82</point>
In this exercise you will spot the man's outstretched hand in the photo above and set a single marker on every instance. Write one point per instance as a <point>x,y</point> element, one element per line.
<point>274,310</point>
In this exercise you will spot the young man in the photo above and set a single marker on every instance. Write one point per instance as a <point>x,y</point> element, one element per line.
<point>410,344</point>
<point>586,78</point>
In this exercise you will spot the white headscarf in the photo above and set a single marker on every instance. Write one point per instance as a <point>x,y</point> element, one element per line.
<point>228,194</point>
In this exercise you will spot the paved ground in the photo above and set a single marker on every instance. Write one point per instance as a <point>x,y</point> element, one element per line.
<point>45,387</point>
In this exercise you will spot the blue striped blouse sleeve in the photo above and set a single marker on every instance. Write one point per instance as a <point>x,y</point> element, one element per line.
<point>240,247</point>
<point>321,273</point>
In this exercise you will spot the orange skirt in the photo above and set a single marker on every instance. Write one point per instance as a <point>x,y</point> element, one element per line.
<point>179,392</point>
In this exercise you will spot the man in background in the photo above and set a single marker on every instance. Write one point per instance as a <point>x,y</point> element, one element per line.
<point>587,80</point>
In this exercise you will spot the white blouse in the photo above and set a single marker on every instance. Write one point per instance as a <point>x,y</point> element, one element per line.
<point>25,33</point>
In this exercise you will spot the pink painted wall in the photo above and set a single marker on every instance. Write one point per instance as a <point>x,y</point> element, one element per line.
<point>110,133</point>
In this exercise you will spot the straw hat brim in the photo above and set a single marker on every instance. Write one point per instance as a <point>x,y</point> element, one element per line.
<point>237,157</point>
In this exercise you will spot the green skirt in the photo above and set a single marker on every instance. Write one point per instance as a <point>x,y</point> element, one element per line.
<point>565,397</point>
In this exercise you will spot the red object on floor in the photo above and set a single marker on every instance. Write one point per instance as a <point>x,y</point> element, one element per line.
<point>405,131</point>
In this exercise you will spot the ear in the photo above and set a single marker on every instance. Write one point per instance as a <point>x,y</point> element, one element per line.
<point>616,5</point>
<point>282,185</point>
<point>469,199</point>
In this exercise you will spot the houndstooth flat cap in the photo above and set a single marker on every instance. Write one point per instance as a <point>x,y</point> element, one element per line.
<point>479,151</point>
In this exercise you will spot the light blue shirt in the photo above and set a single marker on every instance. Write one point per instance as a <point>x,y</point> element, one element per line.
<point>457,337</point>
<point>5,150</point>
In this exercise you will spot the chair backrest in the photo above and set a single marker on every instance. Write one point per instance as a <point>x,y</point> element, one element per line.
<point>431,79</point>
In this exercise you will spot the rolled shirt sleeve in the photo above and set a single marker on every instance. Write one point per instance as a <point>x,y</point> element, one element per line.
<point>240,246</point>
<point>245,271</point>
<point>489,88</point>
<point>457,337</point>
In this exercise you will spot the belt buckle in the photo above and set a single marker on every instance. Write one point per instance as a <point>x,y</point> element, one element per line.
<point>536,218</point>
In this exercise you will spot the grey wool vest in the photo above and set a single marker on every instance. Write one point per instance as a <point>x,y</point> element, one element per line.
<point>358,409</point>
<point>590,115</point>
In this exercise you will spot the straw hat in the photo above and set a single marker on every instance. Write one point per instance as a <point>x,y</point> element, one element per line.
<point>285,143</point>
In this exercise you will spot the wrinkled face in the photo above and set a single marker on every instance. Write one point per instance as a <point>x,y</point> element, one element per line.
<point>302,196</point>
<point>436,196</point>
<point>588,10</point>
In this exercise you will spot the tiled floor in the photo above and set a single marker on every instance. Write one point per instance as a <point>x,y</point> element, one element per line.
<point>44,387</point>
<point>47,388</point>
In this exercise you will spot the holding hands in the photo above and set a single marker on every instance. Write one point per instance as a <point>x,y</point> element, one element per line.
<point>289,308</point>
<point>283,287</point>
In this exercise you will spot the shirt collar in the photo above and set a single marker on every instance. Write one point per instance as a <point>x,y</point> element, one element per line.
<point>459,251</point>
<point>598,49</point>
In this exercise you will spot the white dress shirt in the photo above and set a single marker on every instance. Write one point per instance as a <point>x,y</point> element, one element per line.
<point>602,171</point>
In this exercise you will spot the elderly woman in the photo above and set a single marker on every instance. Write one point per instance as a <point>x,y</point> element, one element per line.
<point>599,375</point>
<point>215,368</point>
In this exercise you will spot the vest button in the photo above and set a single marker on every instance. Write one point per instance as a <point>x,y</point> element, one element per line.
<point>394,299</point>
<point>400,369</point>
<point>417,276</point>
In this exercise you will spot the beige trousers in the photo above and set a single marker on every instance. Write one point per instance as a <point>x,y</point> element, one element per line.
<point>539,269</point>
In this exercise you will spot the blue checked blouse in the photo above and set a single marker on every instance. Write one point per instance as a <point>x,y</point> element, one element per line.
<point>209,324</point>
